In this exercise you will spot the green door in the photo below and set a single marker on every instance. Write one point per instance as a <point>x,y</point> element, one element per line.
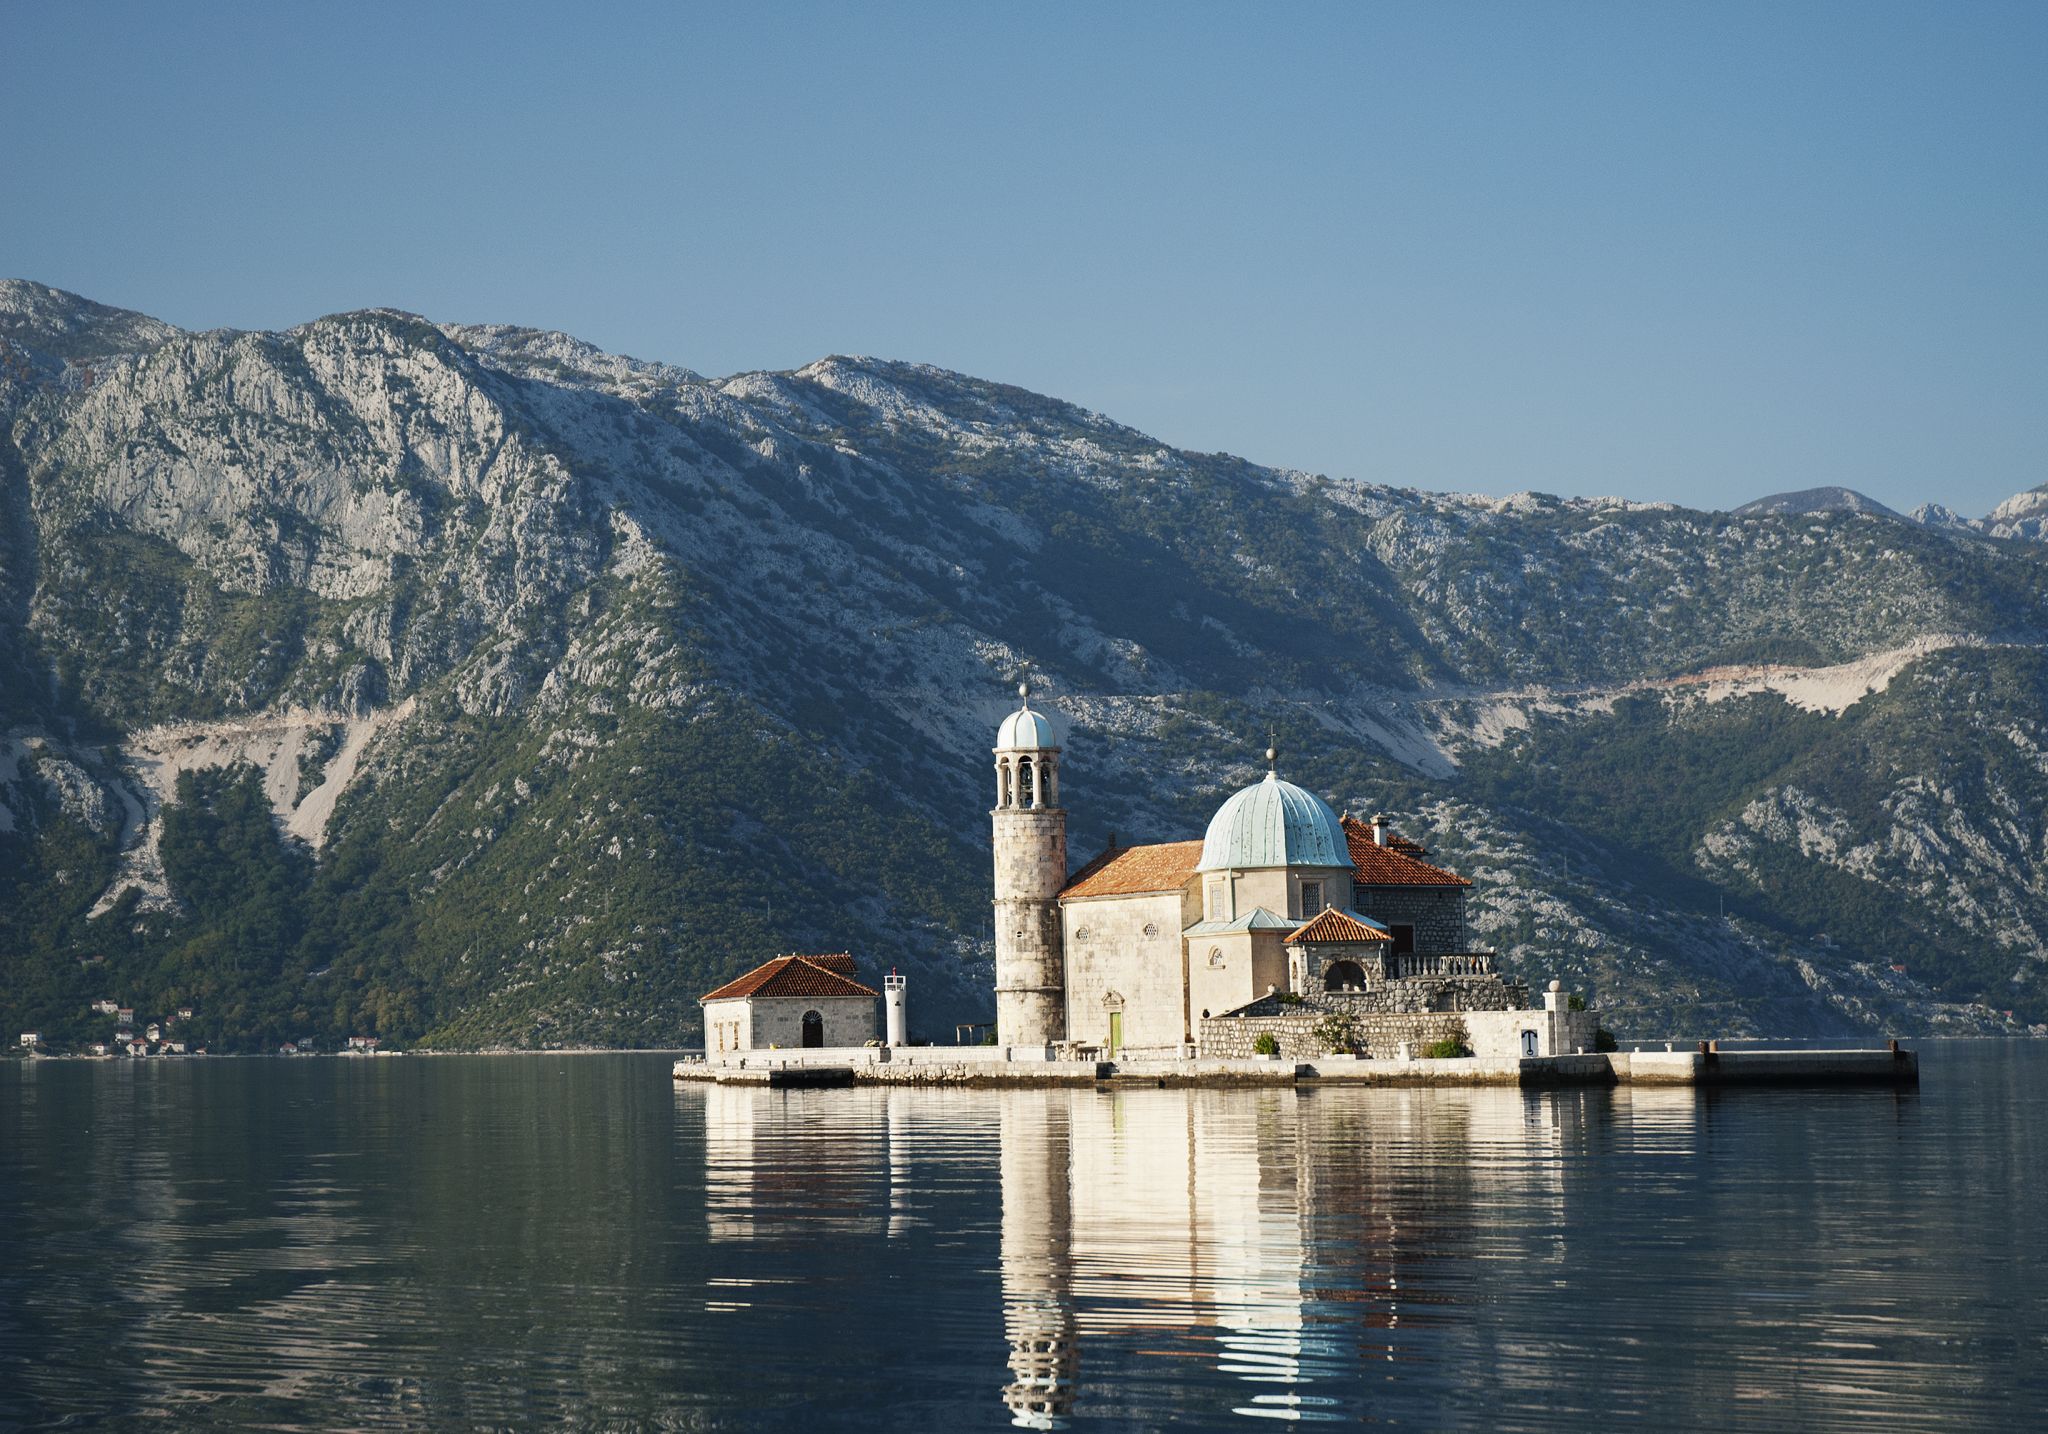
<point>1116,1033</point>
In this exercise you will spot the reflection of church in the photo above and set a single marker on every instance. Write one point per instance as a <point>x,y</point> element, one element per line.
<point>1227,1250</point>
<point>1280,898</point>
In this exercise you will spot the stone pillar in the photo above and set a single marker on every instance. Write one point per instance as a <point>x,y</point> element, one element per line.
<point>1030,869</point>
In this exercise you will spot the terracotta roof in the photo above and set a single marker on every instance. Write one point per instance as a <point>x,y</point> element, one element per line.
<point>1378,865</point>
<point>795,976</point>
<point>1130,870</point>
<point>1333,924</point>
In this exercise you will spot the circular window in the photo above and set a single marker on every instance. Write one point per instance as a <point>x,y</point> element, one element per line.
<point>1150,929</point>
<point>1080,933</point>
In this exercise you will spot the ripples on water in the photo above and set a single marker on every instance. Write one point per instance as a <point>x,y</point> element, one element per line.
<point>491,1241</point>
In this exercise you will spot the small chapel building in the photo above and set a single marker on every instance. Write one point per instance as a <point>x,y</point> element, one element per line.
<point>791,1002</point>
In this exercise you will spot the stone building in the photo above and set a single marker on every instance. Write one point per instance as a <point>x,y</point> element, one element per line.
<point>1148,947</point>
<point>790,1002</point>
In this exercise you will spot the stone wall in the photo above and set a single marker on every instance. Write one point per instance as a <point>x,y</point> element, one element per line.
<point>1436,912</point>
<point>1498,1034</point>
<point>1428,993</point>
<point>779,1020</point>
<point>1300,1030</point>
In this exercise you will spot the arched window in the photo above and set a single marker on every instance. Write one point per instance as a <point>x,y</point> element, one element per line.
<point>814,1029</point>
<point>1003,787</point>
<point>1027,791</point>
<point>1343,976</point>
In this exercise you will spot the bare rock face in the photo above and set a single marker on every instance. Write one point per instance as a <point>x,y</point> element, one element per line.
<point>580,682</point>
<point>77,795</point>
<point>2024,515</point>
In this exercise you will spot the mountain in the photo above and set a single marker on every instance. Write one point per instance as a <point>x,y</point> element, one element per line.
<point>473,687</point>
<point>1815,500</point>
<point>2024,515</point>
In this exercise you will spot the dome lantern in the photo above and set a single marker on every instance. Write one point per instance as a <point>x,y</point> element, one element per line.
<point>1026,730</point>
<point>1027,757</point>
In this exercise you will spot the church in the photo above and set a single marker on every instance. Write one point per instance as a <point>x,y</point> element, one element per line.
<point>1281,906</point>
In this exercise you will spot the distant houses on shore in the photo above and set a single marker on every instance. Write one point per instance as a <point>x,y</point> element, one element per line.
<point>162,1037</point>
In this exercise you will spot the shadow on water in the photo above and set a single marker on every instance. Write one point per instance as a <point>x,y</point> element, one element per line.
<point>515,1240</point>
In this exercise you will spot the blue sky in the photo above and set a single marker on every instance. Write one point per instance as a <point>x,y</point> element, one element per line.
<point>1689,252</point>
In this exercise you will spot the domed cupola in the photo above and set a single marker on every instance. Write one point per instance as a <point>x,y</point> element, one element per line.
<point>1026,730</point>
<point>1274,823</point>
<point>1027,758</point>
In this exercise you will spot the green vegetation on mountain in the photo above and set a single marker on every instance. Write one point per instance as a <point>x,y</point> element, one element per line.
<point>470,687</point>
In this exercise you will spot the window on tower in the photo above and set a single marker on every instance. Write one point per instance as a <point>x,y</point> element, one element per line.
<point>1026,797</point>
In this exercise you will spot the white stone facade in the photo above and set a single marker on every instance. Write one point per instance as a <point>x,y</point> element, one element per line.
<point>1124,969</point>
<point>752,1023</point>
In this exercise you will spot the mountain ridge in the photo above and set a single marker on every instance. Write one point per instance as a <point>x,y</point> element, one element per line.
<point>665,641</point>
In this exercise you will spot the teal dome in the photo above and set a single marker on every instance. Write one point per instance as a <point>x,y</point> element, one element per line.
<point>1274,823</point>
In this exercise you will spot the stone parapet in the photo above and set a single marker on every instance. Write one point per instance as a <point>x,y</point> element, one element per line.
<point>1309,1030</point>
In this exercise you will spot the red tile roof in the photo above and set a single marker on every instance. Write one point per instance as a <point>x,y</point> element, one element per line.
<point>1331,924</point>
<point>1131,870</point>
<point>1390,865</point>
<point>795,976</point>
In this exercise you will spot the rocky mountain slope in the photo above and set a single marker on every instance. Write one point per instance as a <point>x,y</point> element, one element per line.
<point>1814,500</point>
<point>469,685</point>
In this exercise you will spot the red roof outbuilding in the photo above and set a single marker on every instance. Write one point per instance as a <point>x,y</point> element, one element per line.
<point>796,976</point>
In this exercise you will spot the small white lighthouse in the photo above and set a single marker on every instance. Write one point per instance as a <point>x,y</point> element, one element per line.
<point>895,1007</point>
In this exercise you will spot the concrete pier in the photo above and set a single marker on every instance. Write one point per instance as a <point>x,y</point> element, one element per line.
<point>1891,1065</point>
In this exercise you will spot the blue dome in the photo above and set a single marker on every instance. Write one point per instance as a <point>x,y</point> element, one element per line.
<point>1274,823</point>
<point>1026,731</point>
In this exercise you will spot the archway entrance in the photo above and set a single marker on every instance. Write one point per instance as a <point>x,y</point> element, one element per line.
<point>814,1029</point>
<point>1344,976</point>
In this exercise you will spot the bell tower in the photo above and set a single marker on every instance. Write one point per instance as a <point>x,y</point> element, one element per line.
<point>1030,869</point>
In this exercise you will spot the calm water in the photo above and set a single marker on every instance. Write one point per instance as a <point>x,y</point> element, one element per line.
<point>492,1241</point>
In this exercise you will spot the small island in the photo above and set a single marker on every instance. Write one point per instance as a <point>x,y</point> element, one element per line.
<point>1289,943</point>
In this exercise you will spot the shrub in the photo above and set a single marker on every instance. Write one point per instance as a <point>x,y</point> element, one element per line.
<point>1447,1049</point>
<point>1603,1039</point>
<point>1575,1002</point>
<point>1338,1033</point>
<point>1267,1044</point>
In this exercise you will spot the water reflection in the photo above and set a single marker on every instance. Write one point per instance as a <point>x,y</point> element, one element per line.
<point>1037,1257</point>
<point>507,1242</point>
<point>1153,1242</point>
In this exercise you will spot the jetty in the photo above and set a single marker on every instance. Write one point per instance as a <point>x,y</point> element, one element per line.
<point>1702,1065</point>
